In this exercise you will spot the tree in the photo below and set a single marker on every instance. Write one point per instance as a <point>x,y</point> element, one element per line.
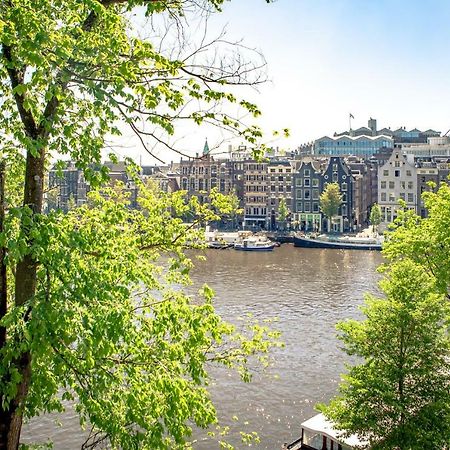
<point>375,217</point>
<point>330,201</point>
<point>70,73</point>
<point>399,396</point>
<point>283,212</point>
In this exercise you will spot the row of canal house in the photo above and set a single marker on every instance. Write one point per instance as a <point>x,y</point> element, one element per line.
<point>261,186</point>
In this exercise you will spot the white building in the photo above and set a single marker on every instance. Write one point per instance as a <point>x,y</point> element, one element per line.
<point>397,180</point>
<point>436,146</point>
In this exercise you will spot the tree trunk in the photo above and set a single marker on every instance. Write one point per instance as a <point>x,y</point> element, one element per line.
<point>5,416</point>
<point>25,288</point>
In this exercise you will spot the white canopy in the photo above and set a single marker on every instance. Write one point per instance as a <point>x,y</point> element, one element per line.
<point>320,424</point>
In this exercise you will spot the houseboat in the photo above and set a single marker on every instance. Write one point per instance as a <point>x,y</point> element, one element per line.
<point>318,433</point>
<point>341,242</point>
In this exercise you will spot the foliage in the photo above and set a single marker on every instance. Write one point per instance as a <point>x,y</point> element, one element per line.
<point>330,200</point>
<point>110,331</point>
<point>283,210</point>
<point>375,216</point>
<point>399,396</point>
<point>90,310</point>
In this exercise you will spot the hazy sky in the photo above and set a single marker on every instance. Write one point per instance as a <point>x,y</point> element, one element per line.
<point>388,59</point>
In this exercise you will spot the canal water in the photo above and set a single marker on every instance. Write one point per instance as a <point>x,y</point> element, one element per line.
<point>308,290</point>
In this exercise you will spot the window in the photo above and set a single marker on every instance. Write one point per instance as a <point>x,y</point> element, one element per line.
<point>307,173</point>
<point>403,184</point>
<point>397,173</point>
<point>307,194</point>
<point>299,206</point>
<point>408,173</point>
<point>344,210</point>
<point>299,194</point>
<point>343,186</point>
<point>315,194</point>
<point>391,197</point>
<point>383,185</point>
<point>315,182</point>
<point>391,184</point>
<point>272,170</point>
<point>280,188</point>
<point>307,207</point>
<point>288,188</point>
<point>307,182</point>
<point>386,173</point>
<point>315,207</point>
<point>383,196</point>
<point>410,197</point>
<point>334,177</point>
<point>402,195</point>
<point>272,188</point>
<point>335,167</point>
<point>397,164</point>
<point>299,182</point>
<point>280,178</point>
<point>410,185</point>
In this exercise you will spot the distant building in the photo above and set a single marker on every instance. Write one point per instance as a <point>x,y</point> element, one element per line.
<point>279,182</point>
<point>200,174</point>
<point>255,195</point>
<point>397,180</point>
<point>337,171</point>
<point>365,189</point>
<point>434,170</point>
<point>400,135</point>
<point>345,145</point>
<point>434,146</point>
<point>307,185</point>
<point>66,186</point>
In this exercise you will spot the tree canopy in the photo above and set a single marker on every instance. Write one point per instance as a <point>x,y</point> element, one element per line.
<point>399,396</point>
<point>331,200</point>
<point>375,216</point>
<point>87,308</point>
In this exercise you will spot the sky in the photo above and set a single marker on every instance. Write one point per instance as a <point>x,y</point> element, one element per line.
<point>386,59</point>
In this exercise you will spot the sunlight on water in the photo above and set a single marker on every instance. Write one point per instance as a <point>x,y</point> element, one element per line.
<point>309,290</point>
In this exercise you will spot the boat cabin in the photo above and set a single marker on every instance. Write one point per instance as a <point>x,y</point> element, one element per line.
<point>318,434</point>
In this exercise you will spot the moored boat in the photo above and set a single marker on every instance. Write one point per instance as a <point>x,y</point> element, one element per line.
<point>255,244</point>
<point>318,433</point>
<point>342,242</point>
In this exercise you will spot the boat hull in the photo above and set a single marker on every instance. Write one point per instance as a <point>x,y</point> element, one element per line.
<point>269,248</point>
<point>305,242</point>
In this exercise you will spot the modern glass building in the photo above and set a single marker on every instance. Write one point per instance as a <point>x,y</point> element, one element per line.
<point>364,146</point>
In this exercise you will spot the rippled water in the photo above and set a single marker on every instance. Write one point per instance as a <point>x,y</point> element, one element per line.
<point>309,290</point>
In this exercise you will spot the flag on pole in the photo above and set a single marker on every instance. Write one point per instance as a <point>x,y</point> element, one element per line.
<point>351,116</point>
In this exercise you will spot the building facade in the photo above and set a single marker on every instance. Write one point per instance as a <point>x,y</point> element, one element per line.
<point>397,180</point>
<point>307,185</point>
<point>344,145</point>
<point>279,188</point>
<point>255,195</point>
